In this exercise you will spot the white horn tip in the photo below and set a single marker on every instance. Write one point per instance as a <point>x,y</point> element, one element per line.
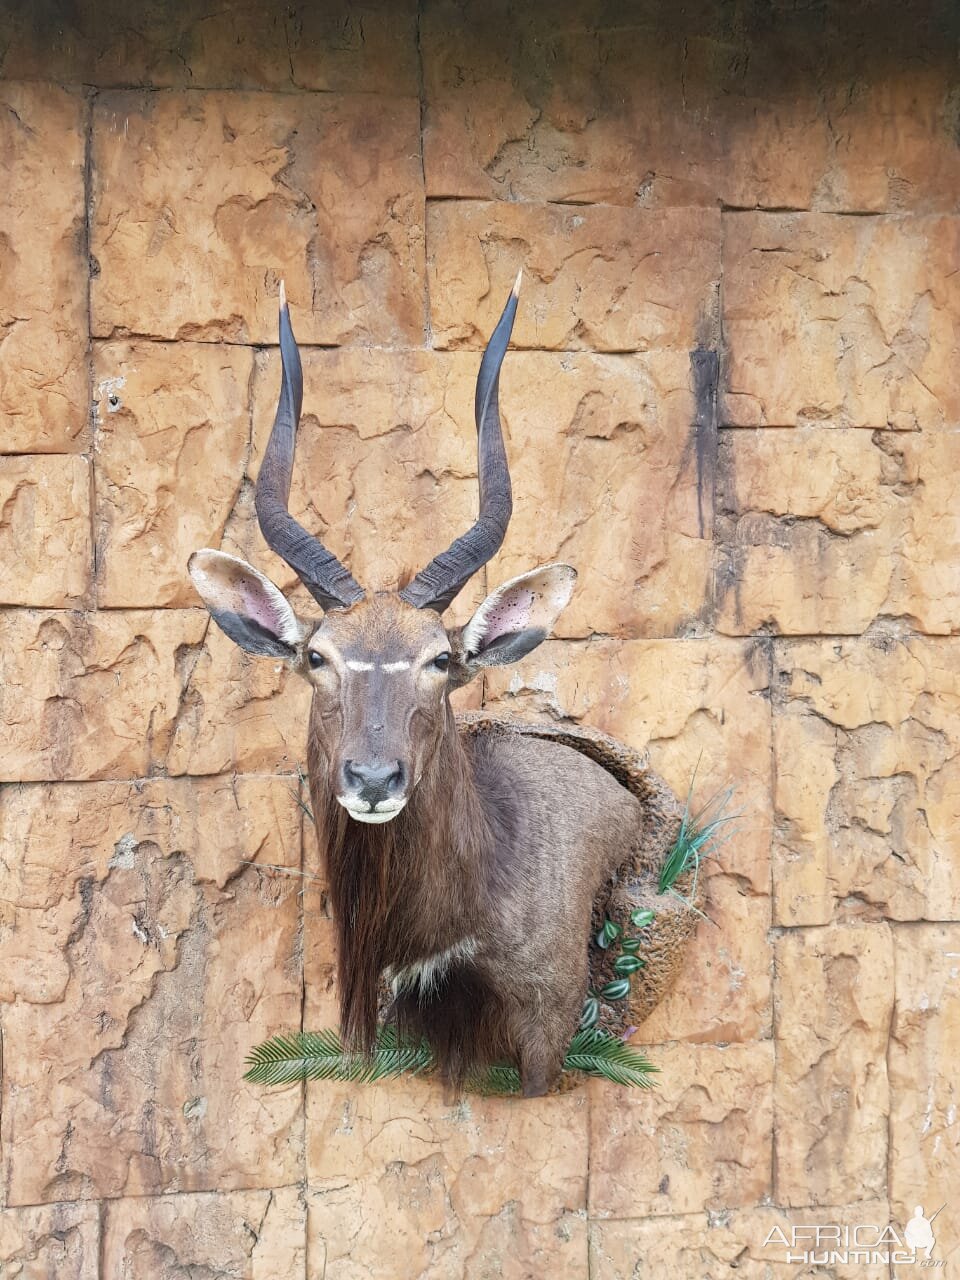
<point>283,297</point>
<point>516,286</point>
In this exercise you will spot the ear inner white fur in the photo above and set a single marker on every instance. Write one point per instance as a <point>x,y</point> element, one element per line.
<point>529,603</point>
<point>233,589</point>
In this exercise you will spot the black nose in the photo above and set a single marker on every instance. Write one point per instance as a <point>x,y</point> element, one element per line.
<point>373,782</point>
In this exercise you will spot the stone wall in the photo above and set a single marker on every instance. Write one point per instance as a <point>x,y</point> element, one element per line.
<point>769,595</point>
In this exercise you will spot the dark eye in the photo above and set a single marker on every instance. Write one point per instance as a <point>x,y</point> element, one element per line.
<point>442,661</point>
<point>317,659</point>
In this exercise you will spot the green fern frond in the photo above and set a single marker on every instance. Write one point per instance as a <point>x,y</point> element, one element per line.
<point>593,1052</point>
<point>494,1081</point>
<point>320,1055</point>
<point>597,1053</point>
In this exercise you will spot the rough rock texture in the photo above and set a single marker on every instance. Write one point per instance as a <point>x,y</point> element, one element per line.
<point>732,405</point>
<point>477,1188</point>
<point>709,1246</point>
<point>43,274</point>
<point>61,1240</point>
<point>173,433</point>
<point>842,321</point>
<point>835,109</point>
<point>925,1097</point>
<point>866,735</point>
<point>269,192</point>
<point>834,1005</point>
<point>337,47</point>
<point>92,695</point>
<point>247,1235</point>
<point>701,1141</point>
<point>44,529</point>
<point>599,279</point>
<point>823,531</point>
<point>138,974</point>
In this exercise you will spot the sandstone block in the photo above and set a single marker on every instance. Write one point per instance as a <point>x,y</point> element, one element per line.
<point>832,1098</point>
<point>827,530</point>
<point>607,446</point>
<point>479,1188</point>
<point>591,103</point>
<point>898,148</point>
<point>928,584</point>
<point>271,191</point>
<point>61,1240</point>
<point>600,278</point>
<point>810,527</point>
<point>173,433</point>
<point>246,1235</point>
<point>867,784</point>
<point>91,695</point>
<point>642,104</point>
<point>43,271</point>
<point>700,708</point>
<point>700,1141</point>
<point>45,555</point>
<point>708,1246</point>
<point>142,960</point>
<point>347,47</point>
<point>321,1006</point>
<point>341,47</point>
<point>846,321</point>
<point>924,1044</point>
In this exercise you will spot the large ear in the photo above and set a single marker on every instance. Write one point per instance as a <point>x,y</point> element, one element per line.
<point>246,605</point>
<point>515,618</point>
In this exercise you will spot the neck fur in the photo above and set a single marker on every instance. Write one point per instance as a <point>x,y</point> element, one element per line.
<point>405,889</point>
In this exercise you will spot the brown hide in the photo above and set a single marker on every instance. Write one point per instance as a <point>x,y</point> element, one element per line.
<point>506,841</point>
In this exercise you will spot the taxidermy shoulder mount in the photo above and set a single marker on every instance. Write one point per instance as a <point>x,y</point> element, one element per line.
<point>470,860</point>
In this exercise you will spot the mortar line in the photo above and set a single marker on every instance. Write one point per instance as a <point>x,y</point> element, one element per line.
<point>421,105</point>
<point>888,1170</point>
<point>771,671</point>
<point>4,1184</point>
<point>793,637</point>
<point>106,1201</point>
<point>101,1239</point>
<point>93,589</point>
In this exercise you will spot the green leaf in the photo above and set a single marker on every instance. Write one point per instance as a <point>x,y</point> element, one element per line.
<point>617,990</point>
<point>642,917</point>
<point>309,1055</point>
<point>631,945</point>
<point>627,964</point>
<point>608,934</point>
<point>591,1013</point>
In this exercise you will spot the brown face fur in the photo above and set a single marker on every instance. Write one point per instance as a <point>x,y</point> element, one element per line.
<point>380,673</point>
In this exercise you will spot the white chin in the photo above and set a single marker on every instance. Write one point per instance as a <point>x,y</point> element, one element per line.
<point>366,815</point>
